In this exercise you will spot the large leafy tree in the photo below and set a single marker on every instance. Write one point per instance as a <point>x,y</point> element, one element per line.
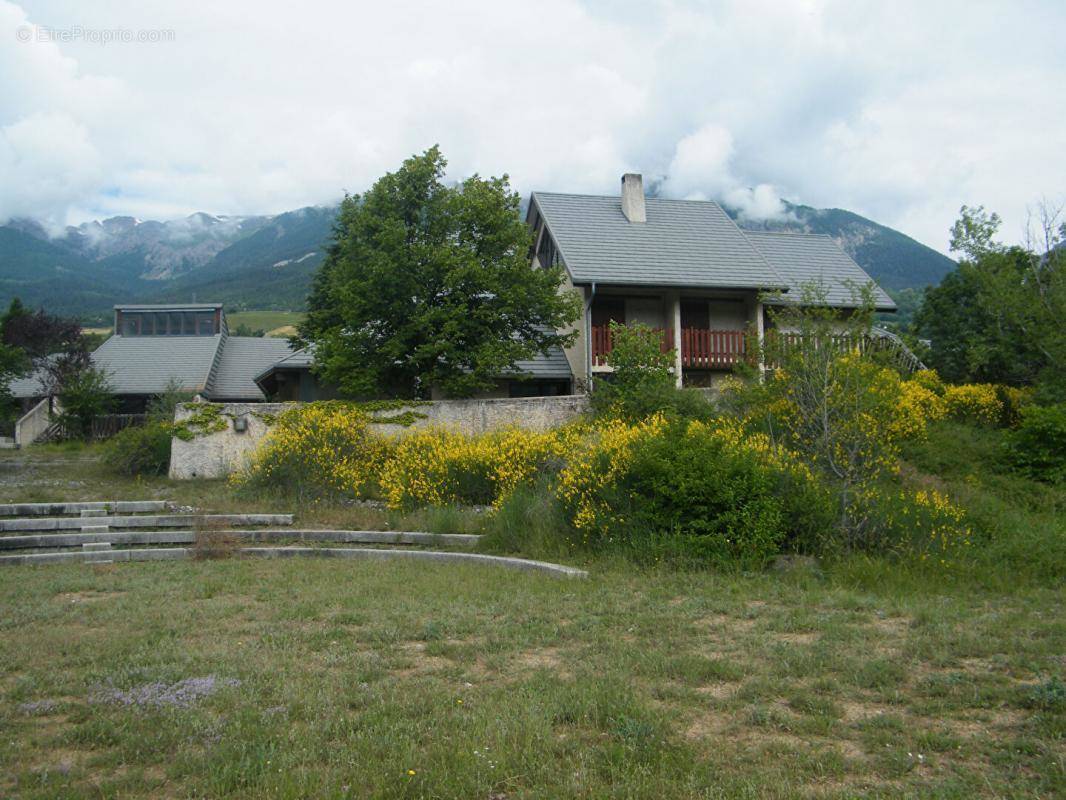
<point>428,285</point>
<point>999,316</point>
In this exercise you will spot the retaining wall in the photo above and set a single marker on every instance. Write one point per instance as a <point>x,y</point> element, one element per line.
<point>217,455</point>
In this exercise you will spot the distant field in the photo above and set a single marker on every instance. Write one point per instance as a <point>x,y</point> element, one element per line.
<point>275,323</point>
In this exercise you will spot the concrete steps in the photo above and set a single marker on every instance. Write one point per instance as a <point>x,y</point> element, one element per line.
<point>144,521</point>
<point>104,506</point>
<point>86,533</point>
<point>178,553</point>
<point>57,540</point>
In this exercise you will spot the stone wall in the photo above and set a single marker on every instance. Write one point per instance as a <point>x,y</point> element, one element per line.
<point>216,455</point>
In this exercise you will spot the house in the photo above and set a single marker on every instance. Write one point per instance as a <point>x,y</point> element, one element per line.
<point>682,267</point>
<point>188,346</point>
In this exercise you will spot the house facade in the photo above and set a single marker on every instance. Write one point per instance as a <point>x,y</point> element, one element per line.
<point>682,267</point>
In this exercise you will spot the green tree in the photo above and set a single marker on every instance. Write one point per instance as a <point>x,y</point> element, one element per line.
<point>428,285</point>
<point>84,395</point>
<point>999,316</point>
<point>970,341</point>
<point>974,231</point>
<point>828,399</point>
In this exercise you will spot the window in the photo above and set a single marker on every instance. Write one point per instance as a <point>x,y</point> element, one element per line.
<point>606,310</point>
<point>167,323</point>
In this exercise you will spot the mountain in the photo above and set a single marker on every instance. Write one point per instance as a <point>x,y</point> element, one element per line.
<point>263,262</point>
<point>268,269</point>
<point>266,262</point>
<point>45,274</point>
<point>893,259</point>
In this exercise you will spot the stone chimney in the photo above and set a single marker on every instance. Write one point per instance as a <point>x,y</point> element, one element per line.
<point>633,197</point>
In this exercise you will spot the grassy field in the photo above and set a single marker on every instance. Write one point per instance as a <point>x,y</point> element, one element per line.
<point>275,323</point>
<point>286,679</point>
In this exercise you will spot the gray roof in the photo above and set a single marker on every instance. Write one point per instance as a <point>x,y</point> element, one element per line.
<point>148,364</point>
<point>551,366</point>
<point>242,359</point>
<point>29,386</point>
<point>806,258</point>
<point>301,359</point>
<point>683,243</point>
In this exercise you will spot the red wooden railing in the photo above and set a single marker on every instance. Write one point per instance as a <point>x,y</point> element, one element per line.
<point>700,348</point>
<point>602,344</point>
<point>707,349</point>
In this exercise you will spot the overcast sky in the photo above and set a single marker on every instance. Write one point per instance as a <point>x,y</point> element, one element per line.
<point>899,111</point>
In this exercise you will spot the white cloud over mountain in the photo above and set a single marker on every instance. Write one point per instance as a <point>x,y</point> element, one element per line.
<point>901,111</point>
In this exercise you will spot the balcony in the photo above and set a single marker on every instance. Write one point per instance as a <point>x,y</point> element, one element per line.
<point>700,348</point>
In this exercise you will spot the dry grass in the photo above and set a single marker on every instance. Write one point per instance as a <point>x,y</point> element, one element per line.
<point>353,673</point>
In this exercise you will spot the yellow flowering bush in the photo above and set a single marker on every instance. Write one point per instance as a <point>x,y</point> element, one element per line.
<point>929,379</point>
<point>918,406</point>
<point>924,523</point>
<point>318,449</point>
<point>694,490</point>
<point>597,465</point>
<point>438,466</point>
<point>974,402</point>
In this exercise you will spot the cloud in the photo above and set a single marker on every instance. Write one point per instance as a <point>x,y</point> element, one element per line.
<point>46,163</point>
<point>901,112</point>
<point>702,168</point>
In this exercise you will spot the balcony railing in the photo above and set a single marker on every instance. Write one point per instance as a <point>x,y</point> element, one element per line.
<point>722,349</point>
<point>707,349</point>
<point>700,348</point>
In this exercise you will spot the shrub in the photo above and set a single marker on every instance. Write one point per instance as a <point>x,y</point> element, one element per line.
<point>929,379</point>
<point>140,449</point>
<point>145,449</point>
<point>438,466</point>
<point>642,382</point>
<point>689,490</point>
<point>918,406</point>
<point>1013,401</point>
<point>596,466</point>
<point>316,450</point>
<point>694,499</point>
<point>1037,447</point>
<point>923,523</point>
<point>976,403</point>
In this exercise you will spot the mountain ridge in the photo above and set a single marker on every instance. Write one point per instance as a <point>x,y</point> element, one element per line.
<point>266,262</point>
